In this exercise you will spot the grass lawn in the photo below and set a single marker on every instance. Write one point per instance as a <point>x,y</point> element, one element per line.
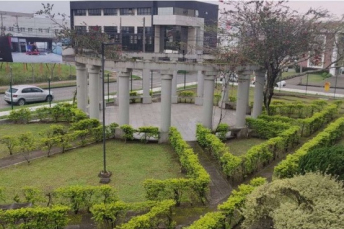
<point>239,147</point>
<point>312,78</point>
<point>16,129</point>
<point>130,163</point>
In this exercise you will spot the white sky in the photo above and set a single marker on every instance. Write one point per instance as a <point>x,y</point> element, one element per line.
<point>335,7</point>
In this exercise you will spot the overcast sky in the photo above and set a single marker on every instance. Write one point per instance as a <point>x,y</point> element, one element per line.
<point>336,7</point>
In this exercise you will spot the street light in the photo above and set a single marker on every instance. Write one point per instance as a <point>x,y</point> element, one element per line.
<point>104,174</point>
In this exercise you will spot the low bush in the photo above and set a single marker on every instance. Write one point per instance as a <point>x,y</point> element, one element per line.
<point>128,132</point>
<point>22,116</point>
<point>148,132</point>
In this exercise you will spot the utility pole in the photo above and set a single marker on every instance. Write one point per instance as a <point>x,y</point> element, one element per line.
<point>144,36</point>
<point>2,27</point>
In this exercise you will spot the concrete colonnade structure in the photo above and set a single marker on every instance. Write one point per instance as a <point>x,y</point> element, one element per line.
<point>81,87</point>
<point>94,91</point>
<point>242,98</point>
<point>258,94</point>
<point>205,90</point>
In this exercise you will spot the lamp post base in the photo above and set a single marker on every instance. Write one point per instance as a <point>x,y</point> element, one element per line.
<point>104,177</point>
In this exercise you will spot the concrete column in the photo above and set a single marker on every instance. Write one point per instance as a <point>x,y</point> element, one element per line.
<point>146,76</point>
<point>174,87</point>
<point>200,88</point>
<point>258,94</point>
<point>224,92</point>
<point>208,98</point>
<point>166,103</point>
<point>94,91</point>
<point>81,87</point>
<point>123,97</point>
<point>117,88</point>
<point>242,99</point>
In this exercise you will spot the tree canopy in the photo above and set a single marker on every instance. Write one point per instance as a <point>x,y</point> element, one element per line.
<point>304,202</point>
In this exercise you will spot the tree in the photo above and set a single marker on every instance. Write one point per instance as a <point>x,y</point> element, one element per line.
<point>10,141</point>
<point>328,160</point>
<point>273,36</point>
<point>304,202</point>
<point>85,43</point>
<point>27,144</point>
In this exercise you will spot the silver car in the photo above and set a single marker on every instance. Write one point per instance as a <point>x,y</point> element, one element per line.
<point>23,94</point>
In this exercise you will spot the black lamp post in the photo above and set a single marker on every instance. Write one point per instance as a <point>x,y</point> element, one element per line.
<point>104,174</point>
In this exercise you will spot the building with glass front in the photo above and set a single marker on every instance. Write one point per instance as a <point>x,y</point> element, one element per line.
<point>169,26</point>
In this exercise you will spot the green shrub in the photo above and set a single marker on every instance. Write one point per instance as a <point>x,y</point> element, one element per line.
<point>222,130</point>
<point>148,132</point>
<point>328,160</point>
<point>10,141</point>
<point>22,116</point>
<point>86,124</point>
<point>128,132</point>
<point>265,129</point>
<point>187,94</point>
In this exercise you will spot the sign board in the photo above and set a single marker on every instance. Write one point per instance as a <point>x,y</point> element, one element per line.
<point>327,86</point>
<point>30,50</point>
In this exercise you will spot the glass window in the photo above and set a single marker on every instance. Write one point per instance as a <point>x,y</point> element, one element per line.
<point>110,11</point>
<point>79,12</point>
<point>127,29</point>
<point>40,30</point>
<point>144,11</point>
<point>14,90</point>
<point>80,29</point>
<point>111,31</point>
<point>36,89</point>
<point>165,11</point>
<point>22,29</point>
<point>95,28</point>
<point>46,30</point>
<point>148,30</point>
<point>29,29</point>
<point>94,12</point>
<point>26,90</point>
<point>133,39</point>
<point>10,28</point>
<point>127,11</point>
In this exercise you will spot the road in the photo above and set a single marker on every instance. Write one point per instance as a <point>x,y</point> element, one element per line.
<point>67,93</point>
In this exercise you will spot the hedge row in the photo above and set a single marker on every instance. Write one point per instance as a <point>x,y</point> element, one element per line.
<point>146,132</point>
<point>296,110</point>
<point>61,112</point>
<point>197,181</point>
<point>160,215</point>
<point>258,156</point>
<point>37,217</point>
<point>289,166</point>
<point>266,130</point>
<point>225,217</point>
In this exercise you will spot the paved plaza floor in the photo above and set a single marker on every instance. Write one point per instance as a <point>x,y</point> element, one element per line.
<point>184,117</point>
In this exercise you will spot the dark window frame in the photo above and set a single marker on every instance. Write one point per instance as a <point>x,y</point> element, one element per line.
<point>126,11</point>
<point>80,12</point>
<point>110,11</point>
<point>94,12</point>
<point>144,11</point>
<point>127,29</point>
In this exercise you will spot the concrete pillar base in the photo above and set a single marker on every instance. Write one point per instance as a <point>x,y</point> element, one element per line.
<point>119,133</point>
<point>115,101</point>
<point>243,133</point>
<point>174,99</point>
<point>163,137</point>
<point>147,100</point>
<point>199,101</point>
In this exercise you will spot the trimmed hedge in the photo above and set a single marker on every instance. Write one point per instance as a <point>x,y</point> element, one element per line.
<point>197,178</point>
<point>289,167</point>
<point>160,214</point>
<point>225,216</point>
<point>265,129</point>
<point>37,217</point>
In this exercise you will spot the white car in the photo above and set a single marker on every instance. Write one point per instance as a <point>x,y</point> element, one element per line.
<point>278,84</point>
<point>22,94</point>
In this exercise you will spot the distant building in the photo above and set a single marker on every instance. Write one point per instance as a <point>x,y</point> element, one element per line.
<point>170,26</point>
<point>25,29</point>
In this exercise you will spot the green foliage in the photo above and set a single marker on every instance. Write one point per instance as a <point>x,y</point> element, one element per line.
<point>10,141</point>
<point>43,114</point>
<point>148,132</point>
<point>225,214</point>
<point>83,197</point>
<point>37,217</point>
<point>329,160</point>
<point>290,166</point>
<point>20,116</point>
<point>161,214</point>
<point>112,129</point>
<point>295,110</point>
<point>217,97</point>
<point>26,144</point>
<point>222,130</point>
<point>133,93</point>
<point>187,94</point>
<point>305,202</point>
<point>265,129</point>
<point>86,124</point>
<point>197,183</point>
<point>232,98</point>
<point>106,214</point>
<point>32,195</point>
<point>128,132</point>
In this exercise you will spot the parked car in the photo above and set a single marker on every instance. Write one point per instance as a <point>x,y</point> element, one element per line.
<point>22,94</point>
<point>282,83</point>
